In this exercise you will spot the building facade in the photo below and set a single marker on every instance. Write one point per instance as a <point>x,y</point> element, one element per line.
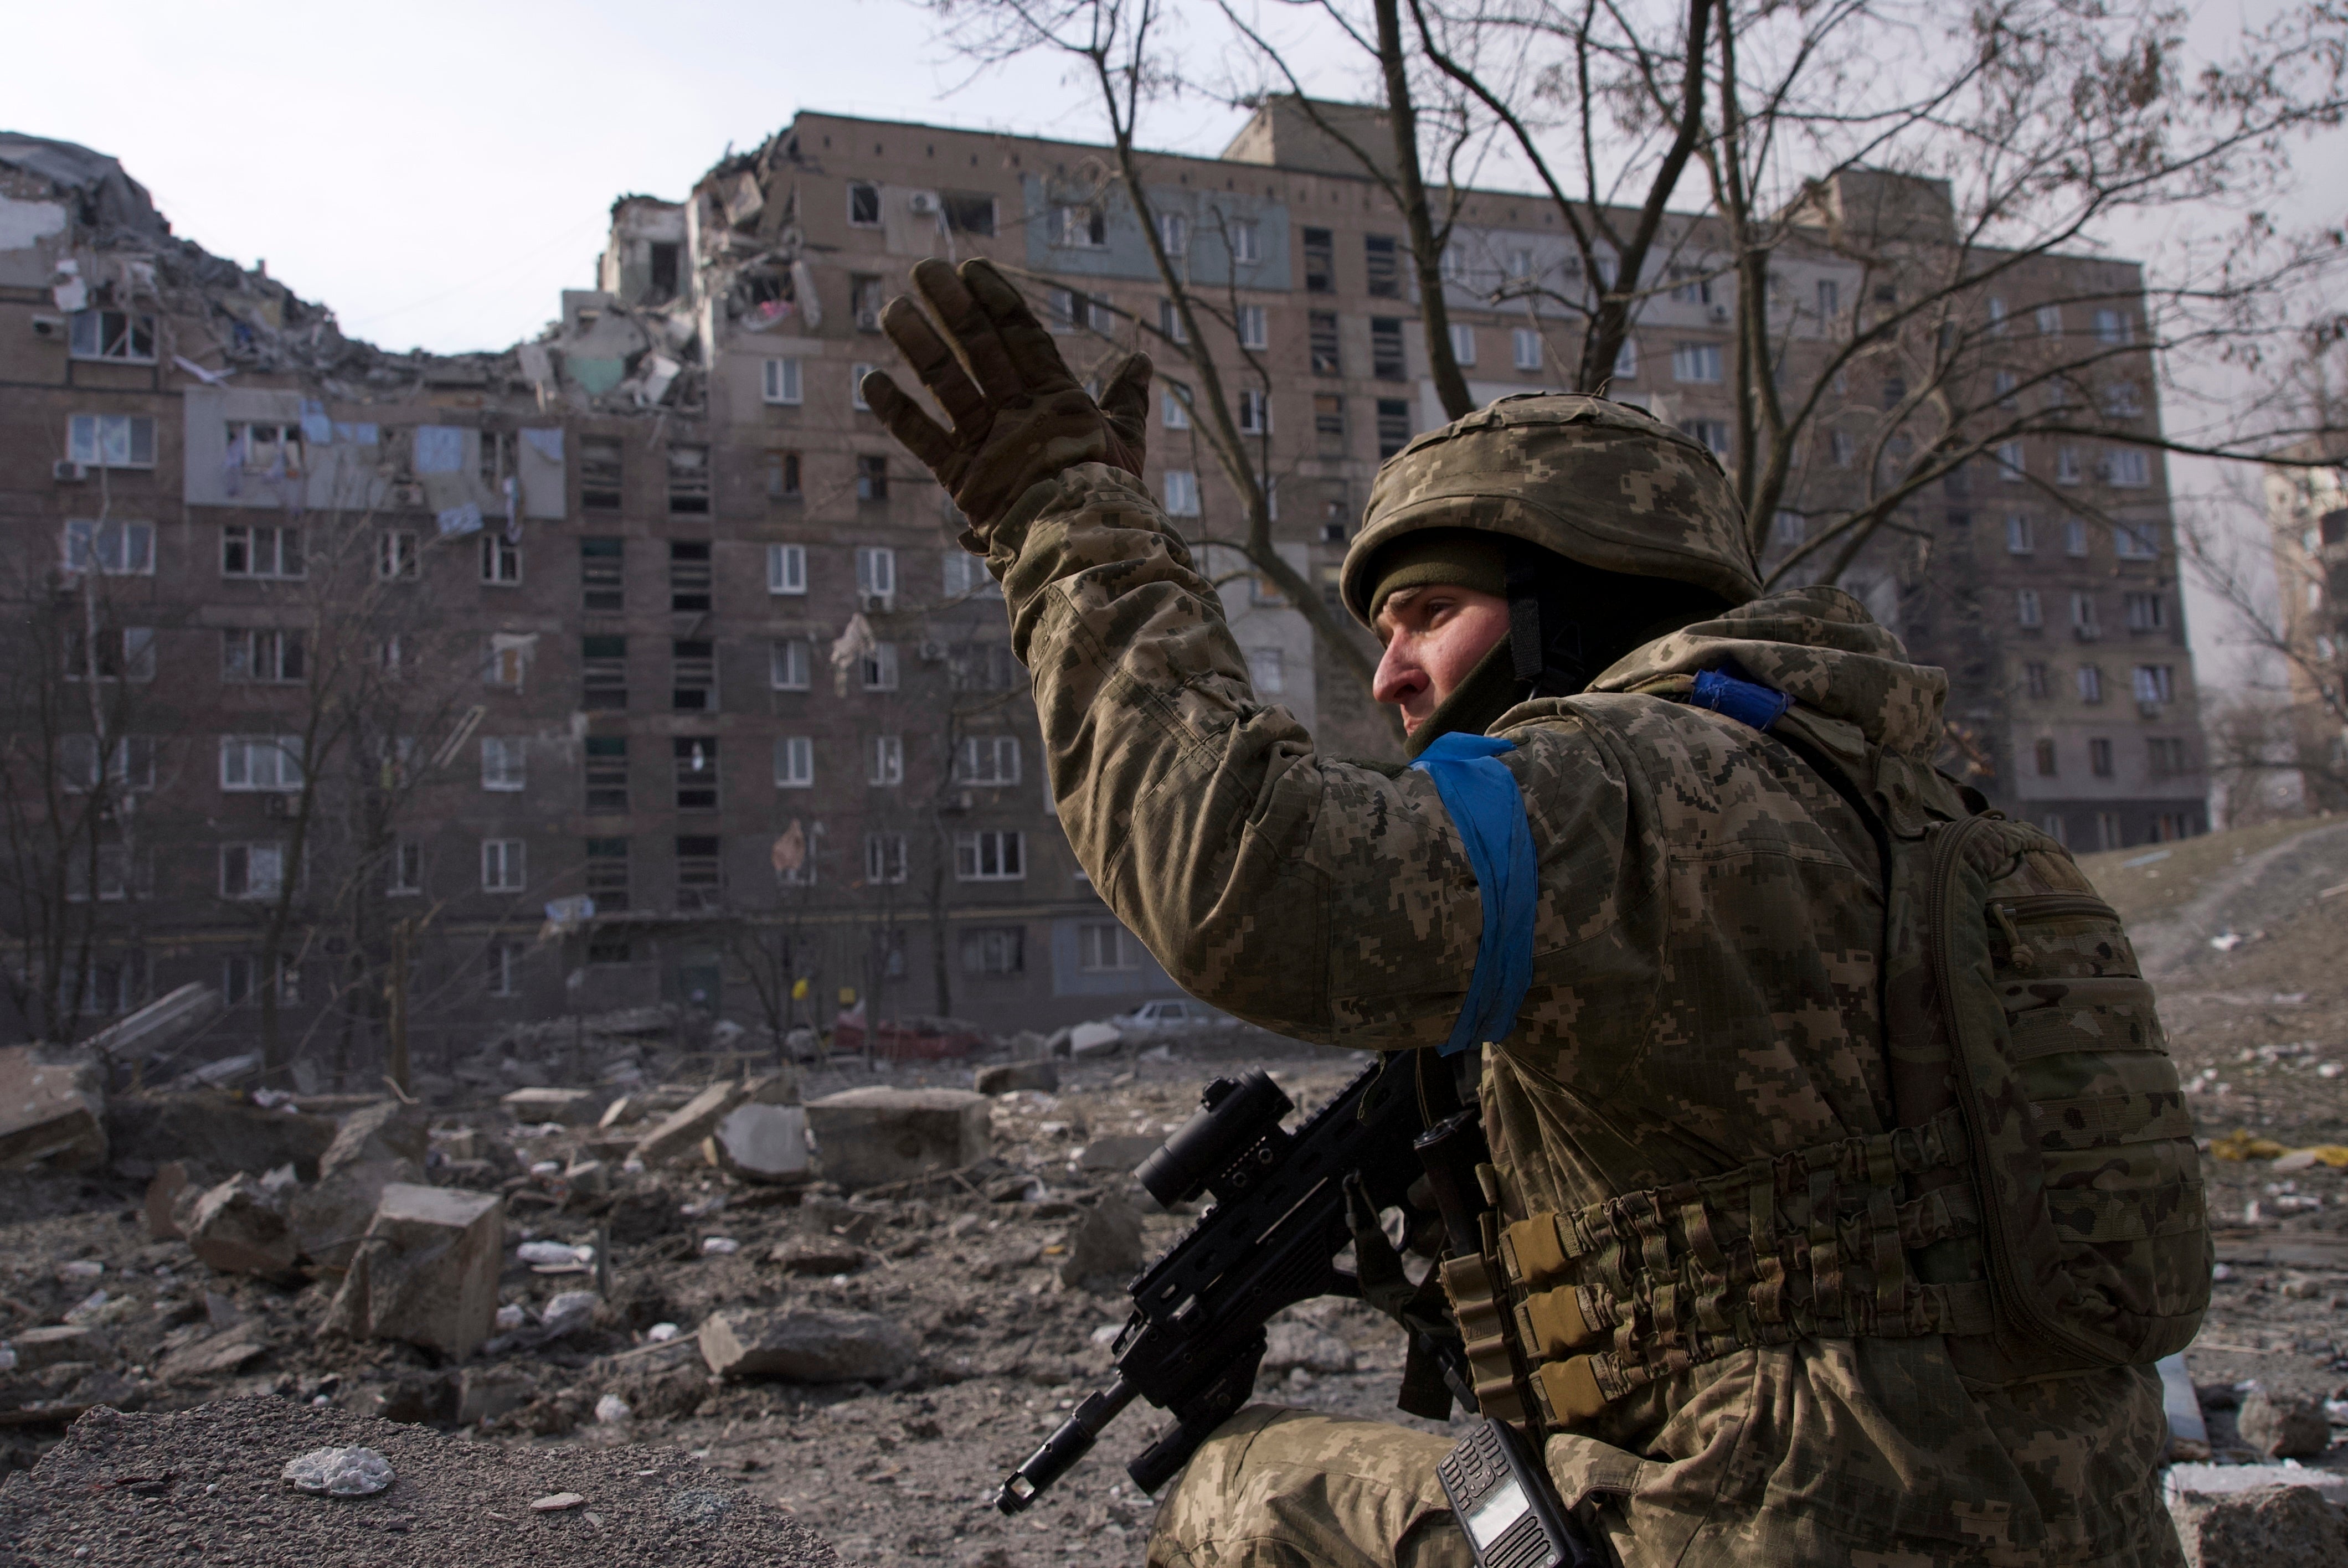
<point>636,664</point>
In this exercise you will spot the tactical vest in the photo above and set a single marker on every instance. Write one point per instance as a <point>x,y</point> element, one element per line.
<point>2038,1203</point>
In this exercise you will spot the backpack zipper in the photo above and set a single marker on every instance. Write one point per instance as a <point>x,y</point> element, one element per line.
<point>2005,1265</point>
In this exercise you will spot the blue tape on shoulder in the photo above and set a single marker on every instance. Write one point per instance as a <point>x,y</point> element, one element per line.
<point>1759,706</point>
<point>1488,810</point>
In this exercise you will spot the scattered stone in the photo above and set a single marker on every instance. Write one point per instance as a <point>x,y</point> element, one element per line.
<point>374,1134</point>
<point>237,1228</point>
<point>2299,1287</point>
<point>338,1472</point>
<point>222,1352</point>
<point>39,1347</point>
<point>1009,1077</point>
<point>1119,1152</point>
<point>52,1111</point>
<point>805,1346</point>
<point>719,1245</point>
<point>569,1310</point>
<point>816,1256</point>
<point>1104,1249</point>
<point>485,1393</point>
<point>685,1127</point>
<point>2263,1528</point>
<point>626,1108</point>
<point>2281,1426</point>
<point>162,1194</point>
<point>410,1400</point>
<point>589,1178</point>
<point>328,1219</point>
<point>1291,1345</point>
<point>866,1137</point>
<point>426,1272</point>
<point>762,1142</point>
<point>571,1107</point>
<point>611,1410</point>
<point>556,1502</point>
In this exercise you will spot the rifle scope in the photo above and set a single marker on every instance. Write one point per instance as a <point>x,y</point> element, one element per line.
<point>1235,1134</point>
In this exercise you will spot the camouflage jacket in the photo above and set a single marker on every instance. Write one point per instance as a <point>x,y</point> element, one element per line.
<point>1707,991</point>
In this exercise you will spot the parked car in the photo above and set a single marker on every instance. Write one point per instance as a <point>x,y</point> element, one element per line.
<point>1173,1013</point>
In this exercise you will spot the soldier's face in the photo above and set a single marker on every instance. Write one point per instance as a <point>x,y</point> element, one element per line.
<point>1433,639</point>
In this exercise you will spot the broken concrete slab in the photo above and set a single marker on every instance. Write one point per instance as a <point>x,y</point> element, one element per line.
<point>52,1111</point>
<point>805,1345</point>
<point>1009,1077</point>
<point>2263,1528</point>
<point>865,1137</point>
<point>157,1024</point>
<point>762,1142</point>
<point>2281,1426</point>
<point>569,1106</point>
<point>373,1134</point>
<point>426,1271</point>
<point>238,1228</point>
<point>39,1347</point>
<point>214,1131</point>
<point>222,1352</point>
<point>683,1129</point>
<point>329,1218</point>
<point>1104,1249</point>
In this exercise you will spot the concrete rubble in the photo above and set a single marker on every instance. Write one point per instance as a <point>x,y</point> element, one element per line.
<point>426,1272</point>
<point>806,1347</point>
<point>239,1227</point>
<point>870,1137</point>
<point>52,1112</point>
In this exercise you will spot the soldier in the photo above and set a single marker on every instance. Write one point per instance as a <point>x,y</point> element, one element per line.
<point>1676,948</point>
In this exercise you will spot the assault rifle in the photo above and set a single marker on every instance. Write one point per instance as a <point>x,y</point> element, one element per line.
<point>1195,1336</point>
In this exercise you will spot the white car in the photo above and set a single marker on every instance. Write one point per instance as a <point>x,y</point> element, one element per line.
<point>1173,1013</point>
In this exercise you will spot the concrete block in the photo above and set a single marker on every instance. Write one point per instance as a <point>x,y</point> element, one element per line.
<point>426,1272</point>
<point>52,1112</point>
<point>1104,1249</point>
<point>682,1129</point>
<point>2264,1528</point>
<point>39,1347</point>
<point>328,1219</point>
<point>237,1228</point>
<point>2281,1426</point>
<point>485,1393</point>
<point>571,1107</point>
<point>216,1133</point>
<point>162,1198</point>
<point>1004,1077</point>
<point>372,1134</point>
<point>864,1137</point>
<point>806,1347</point>
<point>763,1143</point>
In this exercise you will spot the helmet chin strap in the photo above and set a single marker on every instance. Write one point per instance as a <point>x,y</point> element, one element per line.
<point>1544,643</point>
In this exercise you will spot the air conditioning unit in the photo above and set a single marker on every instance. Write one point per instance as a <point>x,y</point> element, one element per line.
<point>932,652</point>
<point>66,471</point>
<point>409,497</point>
<point>876,603</point>
<point>1720,312</point>
<point>48,326</point>
<point>925,204</point>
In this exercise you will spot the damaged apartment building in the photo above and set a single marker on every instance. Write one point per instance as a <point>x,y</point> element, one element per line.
<point>636,664</point>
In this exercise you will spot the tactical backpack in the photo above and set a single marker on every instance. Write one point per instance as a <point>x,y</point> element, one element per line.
<point>2038,1203</point>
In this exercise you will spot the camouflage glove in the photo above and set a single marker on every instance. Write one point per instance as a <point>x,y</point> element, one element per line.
<point>1019,417</point>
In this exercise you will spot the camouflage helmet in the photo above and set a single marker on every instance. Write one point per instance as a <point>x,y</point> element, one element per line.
<point>1593,480</point>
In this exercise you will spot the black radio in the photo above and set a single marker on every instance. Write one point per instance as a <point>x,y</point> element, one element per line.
<point>1503,1497</point>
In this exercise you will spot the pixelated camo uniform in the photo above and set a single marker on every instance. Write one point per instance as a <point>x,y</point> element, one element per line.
<point>1708,991</point>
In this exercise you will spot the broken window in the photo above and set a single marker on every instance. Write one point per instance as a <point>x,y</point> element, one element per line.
<point>1329,423</point>
<point>403,871</point>
<point>505,763</point>
<point>113,550</point>
<point>993,950</point>
<point>607,772</point>
<point>497,459</point>
<point>1320,262</point>
<point>604,672</point>
<point>783,477</point>
<point>251,870</point>
<point>249,654</point>
<point>693,681</point>
<point>872,478</point>
<point>607,884</point>
<point>969,212</point>
<point>125,335</point>
<point>688,574</point>
<point>602,580</point>
<point>991,857</point>
<point>111,440</point>
<point>1324,343</point>
<point>1394,425</point>
<point>1082,224</point>
<point>130,763</point>
<point>500,559</point>
<point>265,448</point>
<point>884,858</point>
<point>1384,267</point>
<point>503,864</point>
<point>688,479</point>
<point>121,653</point>
<point>398,556</point>
<point>1386,361</point>
<point>599,472</point>
<point>695,759</point>
<point>863,204</point>
<point>249,551</point>
<point>700,881</point>
<point>665,256</point>
<point>879,667</point>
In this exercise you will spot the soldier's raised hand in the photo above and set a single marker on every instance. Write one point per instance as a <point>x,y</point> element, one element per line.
<point>1019,415</point>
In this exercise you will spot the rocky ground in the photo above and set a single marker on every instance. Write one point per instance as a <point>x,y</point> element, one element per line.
<point>982,1269</point>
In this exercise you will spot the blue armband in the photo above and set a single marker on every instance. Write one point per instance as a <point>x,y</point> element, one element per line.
<point>1743,701</point>
<point>1488,810</point>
